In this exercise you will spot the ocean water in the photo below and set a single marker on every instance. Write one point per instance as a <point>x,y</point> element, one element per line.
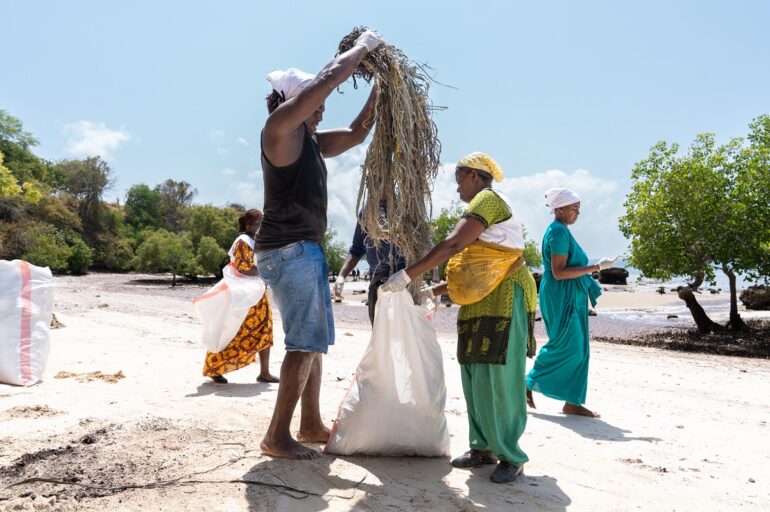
<point>741,282</point>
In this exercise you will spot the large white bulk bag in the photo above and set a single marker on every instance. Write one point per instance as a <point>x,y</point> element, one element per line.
<point>223,308</point>
<point>395,405</point>
<point>26,306</point>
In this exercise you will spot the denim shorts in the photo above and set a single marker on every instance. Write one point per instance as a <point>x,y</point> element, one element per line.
<point>298,275</point>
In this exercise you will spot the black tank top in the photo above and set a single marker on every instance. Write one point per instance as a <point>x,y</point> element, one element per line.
<point>295,199</point>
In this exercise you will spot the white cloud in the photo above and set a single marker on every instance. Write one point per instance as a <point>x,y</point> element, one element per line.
<point>248,193</point>
<point>88,138</point>
<point>216,135</point>
<point>601,205</point>
<point>596,231</point>
<point>222,151</point>
<point>228,172</point>
<point>242,141</point>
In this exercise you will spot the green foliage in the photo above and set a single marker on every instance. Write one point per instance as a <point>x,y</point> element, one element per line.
<point>205,220</point>
<point>81,255</point>
<point>163,251</point>
<point>8,185</point>
<point>86,180</point>
<point>114,253</point>
<point>16,144</point>
<point>533,258</point>
<point>211,258</point>
<point>47,247</point>
<point>176,196</point>
<point>442,225</point>
<point>57,212</point>
<point>446,221</point>
<point>335,252</point>
<point>144,207</point>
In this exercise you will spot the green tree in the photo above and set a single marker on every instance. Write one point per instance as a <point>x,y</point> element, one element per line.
<point>9,187</point>
<point>442,225</point>
<point>176,197</point>
<point>533,258</point>
<point>210,256</point>
<point>16,144</point>
<point>144,207</point>
<point>86,181</point>
<point>114,253</point>
<point>163,251</point>
<point>206,220</point>
<point>57,212</point>
<point>688,215</point>
<point>47,247</point>
<point>446,221</point>
<point>335,252</point>
<point>81,255</point>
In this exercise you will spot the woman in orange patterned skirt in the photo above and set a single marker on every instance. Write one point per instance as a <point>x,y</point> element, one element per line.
<point>256,332</point>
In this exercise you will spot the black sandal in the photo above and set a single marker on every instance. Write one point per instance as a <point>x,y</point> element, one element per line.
<point>272,379</point>
<point>219,379</point>
<point>474,458</point>
<point>505,472</point>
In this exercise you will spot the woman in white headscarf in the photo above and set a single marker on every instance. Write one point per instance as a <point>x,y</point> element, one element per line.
<point>561,367</point>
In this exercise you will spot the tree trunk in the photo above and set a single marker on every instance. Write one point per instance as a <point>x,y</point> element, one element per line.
<point>736,323</point>
<point>697,281</point>
<point>173,279</point>
<point>702,320</point>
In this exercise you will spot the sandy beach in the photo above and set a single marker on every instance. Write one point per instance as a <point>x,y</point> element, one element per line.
<point>678,431</point>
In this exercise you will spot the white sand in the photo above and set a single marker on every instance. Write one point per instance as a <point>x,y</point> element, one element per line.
<point>678,431</point>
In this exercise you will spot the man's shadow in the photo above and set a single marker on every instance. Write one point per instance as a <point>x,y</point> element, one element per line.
<point>233,390</point>
<point>356,483</point>
<point>592,428</point>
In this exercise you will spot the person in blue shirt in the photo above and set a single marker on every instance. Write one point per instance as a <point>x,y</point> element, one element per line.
<point>384,260</point>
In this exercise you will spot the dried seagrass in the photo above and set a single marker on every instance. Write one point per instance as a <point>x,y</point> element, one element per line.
<point>403,158</point>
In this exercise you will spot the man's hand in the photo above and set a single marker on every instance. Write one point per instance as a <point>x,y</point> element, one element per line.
<point>370,39</point>
<point>397,282</point>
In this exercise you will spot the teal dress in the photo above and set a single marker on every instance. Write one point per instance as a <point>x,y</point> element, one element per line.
<point>561,367</point>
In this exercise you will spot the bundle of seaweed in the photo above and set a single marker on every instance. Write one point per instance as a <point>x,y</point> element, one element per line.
<point>403,157</point>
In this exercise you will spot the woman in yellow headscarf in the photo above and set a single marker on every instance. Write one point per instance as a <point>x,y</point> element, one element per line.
<point>487,276</point>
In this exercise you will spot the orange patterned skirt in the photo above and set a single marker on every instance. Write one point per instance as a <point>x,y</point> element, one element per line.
<point>255,334</point>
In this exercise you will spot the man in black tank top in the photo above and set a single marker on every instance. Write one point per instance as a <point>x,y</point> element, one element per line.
<point>289,255</point>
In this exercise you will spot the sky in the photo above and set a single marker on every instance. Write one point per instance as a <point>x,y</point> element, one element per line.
<point>561,93</point>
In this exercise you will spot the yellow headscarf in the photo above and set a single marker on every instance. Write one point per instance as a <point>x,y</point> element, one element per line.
<point>482,162</point>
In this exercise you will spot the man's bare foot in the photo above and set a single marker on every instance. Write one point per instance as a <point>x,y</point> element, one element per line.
<point>289,449</point>
<point>530,399</point>
<point>318,435</point>
<point>579,410</point>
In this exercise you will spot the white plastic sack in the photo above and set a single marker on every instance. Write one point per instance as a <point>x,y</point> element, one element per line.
<point>26,306</point>
<point>223,308</point>
<point>395,405</point>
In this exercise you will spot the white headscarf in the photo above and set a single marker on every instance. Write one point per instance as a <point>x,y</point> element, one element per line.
<point>558,197</point>
<point>289,82</point>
